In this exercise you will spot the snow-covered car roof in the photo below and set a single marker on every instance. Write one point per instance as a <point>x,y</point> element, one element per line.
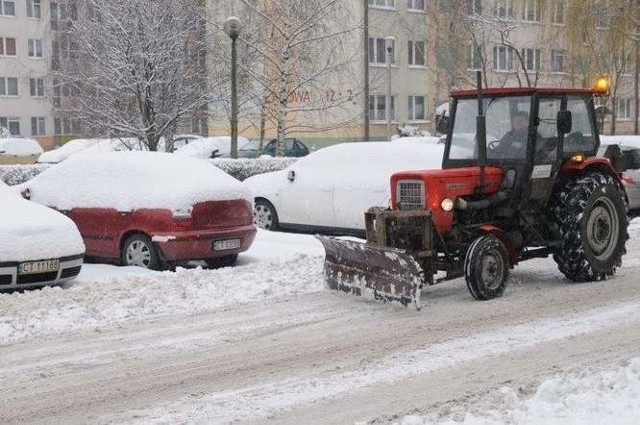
<point>34,232</point>
<point>20,147</point>
<point>133,180</point>
<point>90,146</point>
<point>203,147</point>
<point>626,140</point>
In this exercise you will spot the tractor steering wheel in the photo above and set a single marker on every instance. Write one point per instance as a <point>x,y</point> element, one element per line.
<point>573,141</point>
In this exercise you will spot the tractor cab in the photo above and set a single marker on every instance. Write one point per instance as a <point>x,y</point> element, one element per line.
<point>529,134</point>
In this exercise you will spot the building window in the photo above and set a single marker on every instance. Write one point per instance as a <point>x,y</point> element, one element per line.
<point>624,108</point>
<point>416,53</point>
<point>415,5</point>
<point>602,17</point>
<point>416,108</point>
<point>475,58</point>
<point>66,126</point>
<point>384,4</point>
<point>378,107</point>
<point>37,126</point>
<point>8,86</point>
<point>502,58</point>
<point>474,7</point>
<point>378,51</point>
<point>531,11</point>
<point>36,87</point>
<point>504,9</point>
<point>7,46</point>
<point>531,59</point>
<point>34,9</point>
<point>35,48</point>
<point>12,124</point>
<point>557,60</point>
<point>7,8</point>
<point>557,11</point>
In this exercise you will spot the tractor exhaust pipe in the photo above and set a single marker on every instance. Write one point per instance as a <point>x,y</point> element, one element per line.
<point>481,132</point>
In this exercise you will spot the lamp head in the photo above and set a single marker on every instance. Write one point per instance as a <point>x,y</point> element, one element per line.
<point>232,27</point>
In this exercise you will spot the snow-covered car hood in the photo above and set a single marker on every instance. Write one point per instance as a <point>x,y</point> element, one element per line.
<point>33,232</point>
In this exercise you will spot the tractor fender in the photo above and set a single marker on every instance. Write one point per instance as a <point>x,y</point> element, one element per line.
<point>589,164</point>
<point>509,244</point>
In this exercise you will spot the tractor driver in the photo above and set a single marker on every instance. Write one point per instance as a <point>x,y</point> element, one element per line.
<point>514,143</point>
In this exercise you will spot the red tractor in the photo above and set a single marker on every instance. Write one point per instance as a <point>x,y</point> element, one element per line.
<point>519,180</point>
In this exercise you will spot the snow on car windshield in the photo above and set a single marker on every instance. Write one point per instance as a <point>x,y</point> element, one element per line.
<point>32,231</point>
<point>20,147</point>
<point>132,180</point>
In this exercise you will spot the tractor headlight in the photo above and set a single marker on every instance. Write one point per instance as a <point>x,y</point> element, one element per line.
<point>447,204</point>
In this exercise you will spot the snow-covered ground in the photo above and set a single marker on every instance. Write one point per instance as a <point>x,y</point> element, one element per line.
<point>282,266</point>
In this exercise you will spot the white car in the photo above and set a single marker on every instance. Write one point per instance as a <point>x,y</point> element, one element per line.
<point>89,146</point>
<point>329,190</point>
<point>19,151</point>
<point>39,246</point>
<point>211,147</point>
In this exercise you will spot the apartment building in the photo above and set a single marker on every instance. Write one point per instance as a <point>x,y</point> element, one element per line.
<point>25,44</point>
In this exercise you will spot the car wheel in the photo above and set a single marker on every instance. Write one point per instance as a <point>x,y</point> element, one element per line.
<point>219,262</point>
<point>265,215</point>
<point>138,250</point>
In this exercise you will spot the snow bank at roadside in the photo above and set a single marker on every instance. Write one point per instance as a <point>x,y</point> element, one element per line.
<point>585,397</point>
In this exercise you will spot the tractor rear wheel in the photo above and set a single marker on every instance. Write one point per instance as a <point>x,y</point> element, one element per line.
<point>486,268</point>
<point>590,212</point>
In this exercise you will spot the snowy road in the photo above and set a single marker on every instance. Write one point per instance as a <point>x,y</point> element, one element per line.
<point>181,348</point>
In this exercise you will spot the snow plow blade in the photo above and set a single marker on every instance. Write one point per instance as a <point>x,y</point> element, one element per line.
<point>382,273</point>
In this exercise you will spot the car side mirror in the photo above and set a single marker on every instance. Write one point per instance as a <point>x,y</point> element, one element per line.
<point>291,175</point>
<point>563,121</point>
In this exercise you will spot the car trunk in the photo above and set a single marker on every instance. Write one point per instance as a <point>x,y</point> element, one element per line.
<point>222,214</point>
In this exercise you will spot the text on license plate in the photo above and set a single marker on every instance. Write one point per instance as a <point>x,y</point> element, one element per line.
<point>226,244</point>
<point>43,266</point>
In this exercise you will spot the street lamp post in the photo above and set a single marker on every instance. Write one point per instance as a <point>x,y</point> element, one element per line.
<point>232,27</point>
<point>388,44</point>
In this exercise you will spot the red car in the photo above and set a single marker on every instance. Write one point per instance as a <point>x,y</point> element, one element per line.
<point>149,209</point>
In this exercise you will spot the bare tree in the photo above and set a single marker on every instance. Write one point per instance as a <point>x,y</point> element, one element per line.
<point>301,47</point>
<point>134,67</point>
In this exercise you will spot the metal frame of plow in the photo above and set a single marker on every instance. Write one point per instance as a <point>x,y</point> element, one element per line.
<point>380,273</point>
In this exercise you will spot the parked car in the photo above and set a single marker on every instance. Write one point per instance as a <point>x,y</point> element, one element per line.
<point>149,209</point>
<point>329,190</point>
<point>627,158</point>
<point>39,246</point>
<point>19,151</point>
<point>292,148</point>
<point>210,147</point>
<point>90,147</point>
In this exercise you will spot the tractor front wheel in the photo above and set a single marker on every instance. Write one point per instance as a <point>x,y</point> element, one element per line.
<point>486,268</point>
<point>591,215</point>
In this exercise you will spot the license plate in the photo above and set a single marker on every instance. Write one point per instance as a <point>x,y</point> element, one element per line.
<point>44,266</point>
<point>226,244</point>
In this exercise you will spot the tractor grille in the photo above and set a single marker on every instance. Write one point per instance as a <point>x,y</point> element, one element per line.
<point>410,195</point>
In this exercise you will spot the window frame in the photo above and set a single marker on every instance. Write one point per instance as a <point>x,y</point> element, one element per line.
<point>36,87</point>
<point>412,53</point>
<point>374,101</point>
<point>374,44</point>
<point>4,50</point>
<point>530,7</point>
<point>39,124</point>
<point>558,9</point>
<point>554,54</point>
<point>507,6</point>
<point>4,86</point>
<point>34,9</point>
<point>412,7</point>
<point>9,123</point>
<point>34,48</point>
<point>387,4</point>
<point>535,59</point>
<point>508,58</point>
<point>627,108</point>
<point>3,8</point>
<point>411,108</point>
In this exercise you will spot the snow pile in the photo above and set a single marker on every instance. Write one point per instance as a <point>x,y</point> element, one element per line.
<point>208,146</point>
<point>585,397</point>
<point>133,180</point>
<point>90,146</point>
<point>104,295</point>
